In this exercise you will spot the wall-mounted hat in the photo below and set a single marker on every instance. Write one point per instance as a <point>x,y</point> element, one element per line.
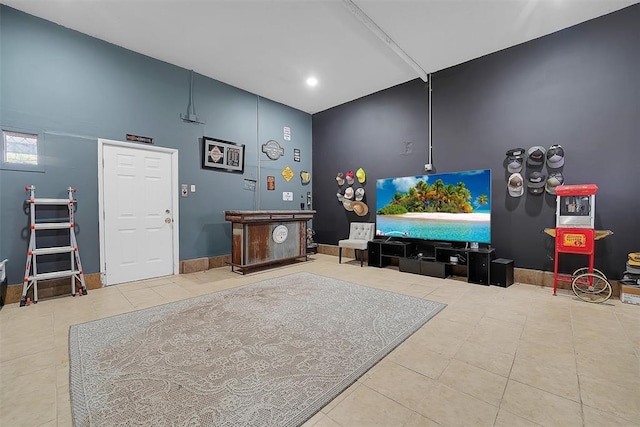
<point>553,181</point>
<point>305,177</point>
<point>555,157</point>
<point>360,208</point>
<point>536,183</point>
<point>515,185</point>
<point>362,177</point>
<point>359,193</point>
<point>350,177</point>
<point>514,164</point>
<point>634,259</point>
<point>535,155</point>
<point>340,178</point>
<point>348,193</point>
<point>348,204</point>
<point>516,152</point>
<point>340,196</point>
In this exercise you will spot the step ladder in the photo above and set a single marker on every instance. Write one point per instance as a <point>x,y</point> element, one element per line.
<point>31,275</point>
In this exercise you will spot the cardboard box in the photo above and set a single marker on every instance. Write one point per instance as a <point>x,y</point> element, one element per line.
<point>630,294</point>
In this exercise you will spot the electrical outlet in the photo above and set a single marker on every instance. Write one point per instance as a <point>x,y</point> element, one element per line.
<point>185,190</point>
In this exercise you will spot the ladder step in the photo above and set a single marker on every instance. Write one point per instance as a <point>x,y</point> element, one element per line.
<point>53,250</point>
<point>50,201</point>
<point>54,275</point>
<point>52,225</point>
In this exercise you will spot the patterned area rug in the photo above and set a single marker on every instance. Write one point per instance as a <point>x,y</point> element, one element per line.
<point>272,353</point>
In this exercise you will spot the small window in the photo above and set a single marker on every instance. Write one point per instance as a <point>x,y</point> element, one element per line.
<point>20,148</point>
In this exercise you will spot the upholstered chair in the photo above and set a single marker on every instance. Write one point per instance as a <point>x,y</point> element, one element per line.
<point>360,233</point>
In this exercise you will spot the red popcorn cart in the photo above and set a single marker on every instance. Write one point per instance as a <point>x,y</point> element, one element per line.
<point>575,234</point>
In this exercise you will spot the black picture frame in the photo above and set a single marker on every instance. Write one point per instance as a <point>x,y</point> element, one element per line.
<point>222,155</point>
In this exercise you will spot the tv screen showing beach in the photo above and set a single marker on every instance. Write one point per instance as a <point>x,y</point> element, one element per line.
<point>452,206</point>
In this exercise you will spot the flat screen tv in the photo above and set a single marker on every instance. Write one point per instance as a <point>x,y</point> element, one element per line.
<point>453,206</point>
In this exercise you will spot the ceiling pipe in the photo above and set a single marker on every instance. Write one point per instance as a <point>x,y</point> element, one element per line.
<point>191,117</point>
<point>429,166</point>
<point>256,199</point>
<point>375,29</point>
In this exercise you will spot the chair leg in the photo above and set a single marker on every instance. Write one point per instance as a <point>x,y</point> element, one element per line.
<point>361,257</point>
<point>339,255</point>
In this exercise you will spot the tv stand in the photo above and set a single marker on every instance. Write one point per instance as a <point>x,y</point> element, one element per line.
<point>476,261</point>
<point>426,266</point>
<point>382,251</point>
<point>446,261</point>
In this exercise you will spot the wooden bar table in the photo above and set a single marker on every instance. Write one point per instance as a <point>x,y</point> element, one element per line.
<point>261,238</point>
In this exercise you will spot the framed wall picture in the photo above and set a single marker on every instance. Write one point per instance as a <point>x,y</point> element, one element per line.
<point>223,155</point>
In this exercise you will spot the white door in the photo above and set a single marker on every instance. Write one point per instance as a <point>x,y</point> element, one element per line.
<point>137,199</point>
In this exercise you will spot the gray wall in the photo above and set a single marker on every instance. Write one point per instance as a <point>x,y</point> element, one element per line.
<point>72,89</point>
<point>384,133</point>
<point>578,88</point>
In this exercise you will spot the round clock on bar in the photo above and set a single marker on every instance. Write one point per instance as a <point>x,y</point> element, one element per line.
<point>280,233</point>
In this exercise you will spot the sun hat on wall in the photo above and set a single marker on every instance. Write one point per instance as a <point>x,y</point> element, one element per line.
<point>359,193</point>
<point>360,208</point>
<point>555,157</point>
<point>361,176</point>
<point>348,204</point>
<point>515,185</point>
<point>340,178</point>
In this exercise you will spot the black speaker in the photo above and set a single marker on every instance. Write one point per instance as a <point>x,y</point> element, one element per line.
<point>478,265</point>
<point>373,254</point>
<point>502,272</point>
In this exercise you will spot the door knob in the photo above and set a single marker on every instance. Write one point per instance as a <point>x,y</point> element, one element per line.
<point>167,211</point>
<point>167,220</point>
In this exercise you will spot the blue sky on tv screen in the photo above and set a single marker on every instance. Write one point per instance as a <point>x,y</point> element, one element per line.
<point>477,181</point>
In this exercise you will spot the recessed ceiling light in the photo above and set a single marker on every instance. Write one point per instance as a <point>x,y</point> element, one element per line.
<point>312,81</point>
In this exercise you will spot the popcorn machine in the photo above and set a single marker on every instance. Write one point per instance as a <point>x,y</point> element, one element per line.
<point>575,234</point>
<point>576,206</point>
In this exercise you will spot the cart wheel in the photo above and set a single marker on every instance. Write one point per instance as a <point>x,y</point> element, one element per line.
<point>591,287</point>
<point>584,270</point>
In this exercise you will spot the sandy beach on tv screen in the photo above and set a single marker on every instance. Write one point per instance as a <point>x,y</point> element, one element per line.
<point>476,217</point>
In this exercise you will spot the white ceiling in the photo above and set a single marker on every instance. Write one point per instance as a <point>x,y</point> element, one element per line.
<point>270,47</point>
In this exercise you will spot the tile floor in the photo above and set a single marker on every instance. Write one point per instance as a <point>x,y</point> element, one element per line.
<point>494,357</point>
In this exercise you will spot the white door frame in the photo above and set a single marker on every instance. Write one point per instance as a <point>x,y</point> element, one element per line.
<point>174,200</point>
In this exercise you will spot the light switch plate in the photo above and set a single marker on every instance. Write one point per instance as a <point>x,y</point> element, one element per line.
<point>193,188</point>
